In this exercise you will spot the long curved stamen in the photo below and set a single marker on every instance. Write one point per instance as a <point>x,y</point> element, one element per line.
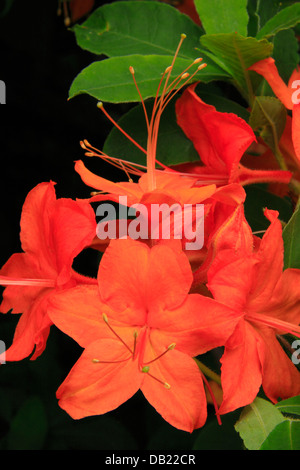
<point>104,316</point>
<point>161,100</point>
<point>212,397</point>
<point>132,168</point>
<point>101,106</point>
<point>145,370</point>
<point>14,281</point>
<point>169,348</point>
<point>274,323</point>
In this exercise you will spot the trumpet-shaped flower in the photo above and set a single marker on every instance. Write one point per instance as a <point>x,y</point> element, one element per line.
<point>221,139</point>
<point>163,185</point>
<point>140,329</point>
<point>248,278</point>
<point>286,93</point>
<point>53,232</point>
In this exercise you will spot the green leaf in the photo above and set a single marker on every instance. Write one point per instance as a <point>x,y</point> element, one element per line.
<point>173,146</point>
<point>256,422</point>
<point>291,237</point>
<point>231,16</point>
<point>290,406</point>
<point>285,436</point>
<point>235,54</point>
<point>257,198</point>
<point>110,80</point>
<point>29,427</point>
<point>284,19</point>
<point>125,28</point>
<point>268,115</point>
<point>285,53</point>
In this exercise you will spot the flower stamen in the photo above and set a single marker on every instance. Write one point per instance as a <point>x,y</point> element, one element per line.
<point>104,316</point>
<point>169,348</point>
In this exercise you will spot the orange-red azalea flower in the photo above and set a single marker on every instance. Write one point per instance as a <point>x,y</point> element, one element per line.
<point>221,139</point>
<point>53,232</point>
<point>250,280</point>
<point>164,185</point>
<point>284,92</point>
<point>140,329</point>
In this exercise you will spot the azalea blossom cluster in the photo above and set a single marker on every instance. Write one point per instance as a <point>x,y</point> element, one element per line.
<point>155,306</point>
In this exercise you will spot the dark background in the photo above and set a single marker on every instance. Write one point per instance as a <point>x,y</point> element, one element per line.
<point>40,135</point>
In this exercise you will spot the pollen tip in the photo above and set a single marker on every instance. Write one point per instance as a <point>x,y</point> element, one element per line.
<point>202,66</point>
<point>131,69</point>
<point>104,316</point>
<point>67,21</point>
<point>168,386</point>
<point>99,104</point>
<point>95,361</point>
<point>168,69</point>
<point>199,59</point>
<point>185,75</point>
<point>172,346</point>
<point>145,369</point>
<point>183,36</point>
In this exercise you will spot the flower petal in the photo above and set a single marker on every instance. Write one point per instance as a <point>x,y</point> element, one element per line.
<point>94,388</point>
<point>197,326</point>
<point>268,70</point>
<point>212,132</point>
<point>78,313</point>
<point>133,275</point>
<point>281,378</point>
<point>184,404</point>
<point>241,371</point>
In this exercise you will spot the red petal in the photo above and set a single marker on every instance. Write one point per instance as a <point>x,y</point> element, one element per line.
<point>94,388</point>
<point>296,130</point>
<point>212,132</point>
<point>133,275</point>
<point>241,371</point>
<point>184,404</point>
<point>281,378</point>
<point>268,70</point>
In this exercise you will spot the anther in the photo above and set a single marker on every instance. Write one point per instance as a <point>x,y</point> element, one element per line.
<point>104,316</point>
<point>169,348</point>
<point>185,75</point>
<point>131,70</point>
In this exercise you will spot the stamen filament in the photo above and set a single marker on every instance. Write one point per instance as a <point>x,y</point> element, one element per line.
<point>14,281</point>
<point>274,323</point>
<point>104,316</point>
<point>98,361</point>
<point>169,348</point>
<point>100,106</point>
<point>145,370</point>
<point>213,398</point>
